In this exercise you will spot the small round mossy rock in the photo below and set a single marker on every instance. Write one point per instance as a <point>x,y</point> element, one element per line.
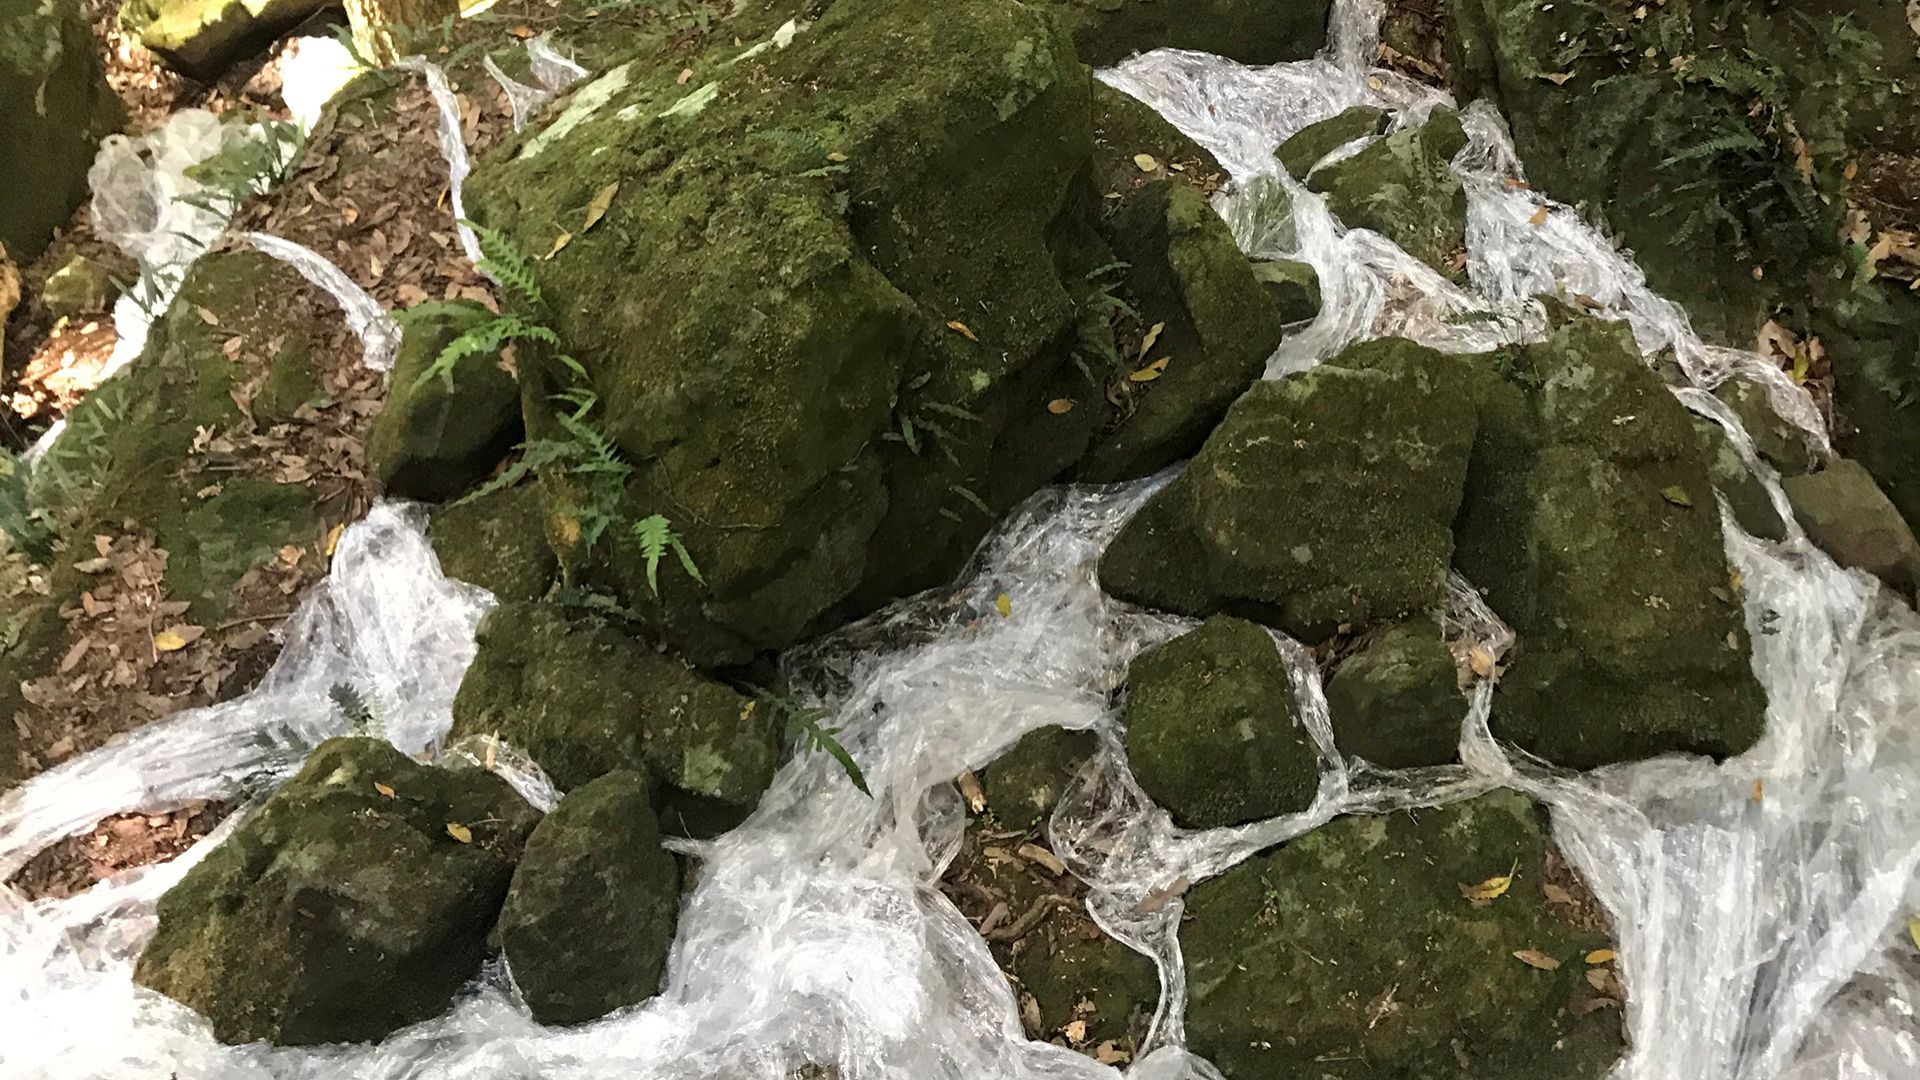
<point>1397,701</point>
<point>1023,784</point>
<point>355,902</point>
<point>1213,733</point>
<point>1323,501</point>
<point>584,698</point>
<point>497,541</point>
<point>439,434</point>
<point>1355,953</point>
<point>590,917</point>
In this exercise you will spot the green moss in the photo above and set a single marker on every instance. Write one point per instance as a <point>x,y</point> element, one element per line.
<point>1323,500</point>
<point>1125,127</point>
<point>1219,326</point>
<point>435,438</point>
<point>588,921</point>
<point>1402,187</point>
<point>1250,31</point>
<point>1872,334</point>
<point>1397,701</point>
<point>1352,954</point>
<point>1746,495</point>
<point>59,107</point>
<point>1632,640</point>
<point>584,699</point>
<point>498,542</point>
<point>1304,148</point>
<point>1212,731</point>
<point>1024,783</point>
<point>203,37</point>
<point>338,913</point>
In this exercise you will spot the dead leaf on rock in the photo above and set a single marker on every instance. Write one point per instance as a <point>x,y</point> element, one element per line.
<point>1146,162</point>
<point>559,242</point>
<point>1534,958</point>
<point>1677,495</point>
<point>602,202</point>
<point>459,832</point>
<point>1151,371</point>
<point>1060,406</point>
<point>1539,217</point>
<point>383,789</point>
<point>1489,890</point>
<point>1600,956</point>
<point>962,329</point>
<point>175,638</point>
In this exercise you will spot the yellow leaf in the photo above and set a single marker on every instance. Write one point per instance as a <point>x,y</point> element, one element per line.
<point>1489,890</point>
<point>1060,406</point>
<point>1151,371</point>
<point>962,329</point>
<point>175,638</point>
<point>1759,790</point>
<point>836,157</point>
<point>1600,956</point>
<point>1004,605</point>
<point>602,201</point>
<point>1913,929</point>
<point>1539,217</point>
<point>1534,958</point>
<point>570,530</point>
<point>383,789</point>
<point>1481,661</point>
<point>746,711</point>
<point>1558,78</point>
<point>1853,170</point>
<point>1153,335</point>
<point>1146,162</point>
<point>559,242</point>
<point>333,539</point>
<point>459,832</point>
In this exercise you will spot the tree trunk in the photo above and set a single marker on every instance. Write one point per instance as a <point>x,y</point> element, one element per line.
<point>378,24</point>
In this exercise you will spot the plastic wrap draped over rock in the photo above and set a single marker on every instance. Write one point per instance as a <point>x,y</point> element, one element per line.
<point>1757,903</point>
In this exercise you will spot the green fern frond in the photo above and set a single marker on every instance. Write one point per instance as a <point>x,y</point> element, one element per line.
<point>656,537</point>
<point>504,263</point>
<point>486,338</point>
<point>1729,140</point>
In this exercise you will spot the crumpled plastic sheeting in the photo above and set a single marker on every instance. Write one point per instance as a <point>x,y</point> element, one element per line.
<point>312,71</point>
<point>453,146</point>
<point>1758,938</point>
<point>140,191</point>
<point>552,71</point>
<point>378,333</point>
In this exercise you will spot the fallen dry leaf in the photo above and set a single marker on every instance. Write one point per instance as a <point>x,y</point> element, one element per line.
<point>1150,372</point>
<point>459,832</point>
<point>1060,406</point>
<point>1146,162</point>
<point>1600,956</point>
<point>383,789</point>
<point>1153,335</point>
<point>1489,890</point>
<point>559,242</point>
<point>1539,217</point>
<point>1481,660</point>
<point>1004,605</point>
<point>1534,958</point>
<point>962,329</point>
<point>971,790</point>
<point>602,202</point>
<point>175,638</point>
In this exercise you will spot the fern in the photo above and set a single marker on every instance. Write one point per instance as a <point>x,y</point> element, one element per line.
<point>487,338</point>
<point>27,527</point>
<point>656,537</point>
<point>356,710</point>
<point>803,727</point>
<point>504,263</point>
<point>1730,140</point>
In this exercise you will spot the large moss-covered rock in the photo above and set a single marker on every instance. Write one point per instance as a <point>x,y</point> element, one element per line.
<point>1847,514</point>
<point>584,698</point>
<point>201,38</point>
<point>58,108</point>
<point>1124,127</point>
<point>339,912</point>
<point>588,921</point>
<point>1589,523</point>
<point>1213,733</point>
<point>1403,188</point>
<point>1305,148</point>
<point>1024,783</point>
<point>1873,339</point>
<point>1250,31</point>
<point>765,309</point>
<point>497,541</point>
<point>1397,701</point>
<point>1352,953</point>
<point>439,434</point>
<point>1219,325</point>
<point>1323,500</point>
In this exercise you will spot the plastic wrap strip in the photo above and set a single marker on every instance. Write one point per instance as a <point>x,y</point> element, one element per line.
<point>379,335</point>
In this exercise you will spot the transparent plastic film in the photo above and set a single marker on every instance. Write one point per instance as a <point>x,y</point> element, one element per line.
<point>554,73</point>
<point>378,333</point>
<point>453,146</point>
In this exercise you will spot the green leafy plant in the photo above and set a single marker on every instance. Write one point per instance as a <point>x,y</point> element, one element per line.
<point>656,537</point>
<point>26,526</point>
<point>245,167</point>
<point>353,707</point>
<point>802,726</point>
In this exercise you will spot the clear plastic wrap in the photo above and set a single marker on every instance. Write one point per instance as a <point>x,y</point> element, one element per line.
<point>1760,928</point>
<point>379,334</point>
<point>552,71</point>
<point>453,146</point>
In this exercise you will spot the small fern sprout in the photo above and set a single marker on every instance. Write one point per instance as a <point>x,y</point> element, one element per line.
<point>656,537</point>
<point>504,263</point>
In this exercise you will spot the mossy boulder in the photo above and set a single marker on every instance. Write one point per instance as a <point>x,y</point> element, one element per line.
<point>59,106</point>
<point>1250,31</point>
<point>1352,953</point>
<point>1396,701</point>
<point>1778,442</point>
<point>1024,783</point>
<point>1213,733</point>
<point>201,38</point>
<point>1124,127</point>
<point>1746,494</point>
<point>1078,973</point>
<point>1847,514</point>
<point>585,698</point>
<point>497,541</point>
<point>590,916</point>
<point>1292,287</point>
<point>339,912</point>
<point>437,435</point>
<point>1219,326</point>
<point>1873,340</point>
<point>827,373</point>
<point>1323,500</point>
<point>1403,187</point>
<point>1589,523</point>
<point>1305,148</point>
